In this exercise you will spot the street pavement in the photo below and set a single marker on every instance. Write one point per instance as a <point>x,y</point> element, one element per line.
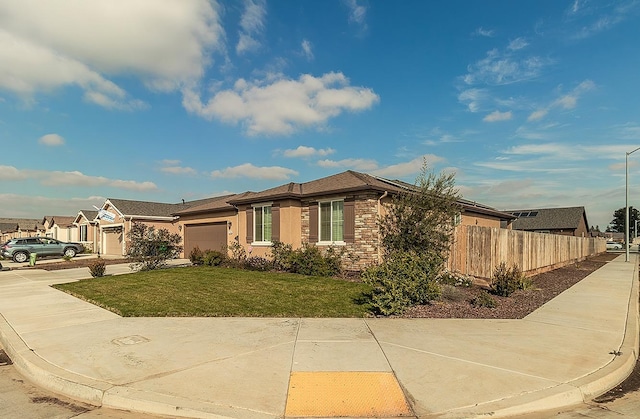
<point>572,349</point>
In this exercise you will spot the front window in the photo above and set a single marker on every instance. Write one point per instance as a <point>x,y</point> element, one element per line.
<point>83,233</point>
<point>332,221</point>
<point>262,224</point>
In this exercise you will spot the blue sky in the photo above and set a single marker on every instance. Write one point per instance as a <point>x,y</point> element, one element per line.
<point>530,103</point>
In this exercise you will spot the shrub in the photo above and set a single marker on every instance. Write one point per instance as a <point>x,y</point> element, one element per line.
<point>150,248</point>
<point>281,254</point>
<point>455,279</point>
<point>506,280</point>
<point>403,280</point>
<point>238,252</point>
<point>257,263</point>
<point>451,293</point>
<point>196,256</point>
<point>213,258</point>
<point>97,268</point>
<point>308,260</point>
<point>66,258</point>
<point>483,300</point>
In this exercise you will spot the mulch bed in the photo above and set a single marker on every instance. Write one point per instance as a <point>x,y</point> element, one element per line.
<point>456,302</point>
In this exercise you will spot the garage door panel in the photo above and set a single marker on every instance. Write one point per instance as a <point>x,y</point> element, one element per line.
<point>210,236</point>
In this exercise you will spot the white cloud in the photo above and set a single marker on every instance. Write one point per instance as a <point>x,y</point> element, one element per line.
<point>51,140</point>
<point>489,33</point>
<point>248,170</point>
<point>357,13</point>
<point>517,44</point>
<point>356,164</point>
<point>500,68</point>
<point>73,178</point>
<point>283,106</point>
<point>407,168</point>
<point>304,151</point>
<point>35,206</point>
<point>537,115</point>
<point>179,170</point>
<point>164,42</point>
<point>497,116</point>
<point>173,167</point>
<point>568,101</point>
<point>473,98</point>
<point>252,26</point>
<point>307,50</point>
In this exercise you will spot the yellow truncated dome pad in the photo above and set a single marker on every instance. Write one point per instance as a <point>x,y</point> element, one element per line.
<point>350,394</point>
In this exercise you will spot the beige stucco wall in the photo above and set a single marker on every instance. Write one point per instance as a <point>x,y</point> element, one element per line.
<point>471,219</point>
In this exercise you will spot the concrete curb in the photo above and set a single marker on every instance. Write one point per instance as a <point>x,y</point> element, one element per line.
<point>47,375</point>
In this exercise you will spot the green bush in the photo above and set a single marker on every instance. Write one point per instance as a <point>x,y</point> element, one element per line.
<point>483,300</point>
<point>308,260</point>
<point>281,254</point>
<point>213,258</point>
<point>97,268</point>
<point>451,293</point>
<point>196,256</point>
<point>257,263</point>
<point>149,248</point>
<point>403,280</point>
<point>507,280</point>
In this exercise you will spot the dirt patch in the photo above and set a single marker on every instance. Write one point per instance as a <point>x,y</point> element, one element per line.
<point>456,302</point>
<point>55,401</point>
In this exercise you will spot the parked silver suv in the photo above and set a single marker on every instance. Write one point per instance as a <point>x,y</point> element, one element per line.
<point>20,249</point>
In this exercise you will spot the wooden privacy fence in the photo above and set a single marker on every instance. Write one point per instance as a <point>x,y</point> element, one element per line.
<point>478,250</point>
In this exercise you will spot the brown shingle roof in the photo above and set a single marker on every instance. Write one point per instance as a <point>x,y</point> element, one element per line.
<point>207,205</point>
<point>348,181</point>
<point>548,218</point>
<point>155,209</point>
<point>24,223</point>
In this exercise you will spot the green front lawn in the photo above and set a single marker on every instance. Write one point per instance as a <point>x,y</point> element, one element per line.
<point>207,291</point>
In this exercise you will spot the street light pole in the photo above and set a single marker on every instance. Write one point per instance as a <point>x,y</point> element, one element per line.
<point>626,202</point>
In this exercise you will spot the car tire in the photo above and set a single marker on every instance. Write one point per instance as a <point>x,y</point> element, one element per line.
<point>70,252</point>
<point>20,257</point>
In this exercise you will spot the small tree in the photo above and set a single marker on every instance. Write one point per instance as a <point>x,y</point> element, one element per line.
<point>421,219</point>
<point>416,234</point>
<point>150,248</point>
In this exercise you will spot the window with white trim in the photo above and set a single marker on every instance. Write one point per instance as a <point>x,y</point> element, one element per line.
<point>262,223</point>
<point>83,232</point>
<point>331,221</point>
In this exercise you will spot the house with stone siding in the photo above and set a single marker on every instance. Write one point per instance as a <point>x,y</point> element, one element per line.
<point>341,210</point>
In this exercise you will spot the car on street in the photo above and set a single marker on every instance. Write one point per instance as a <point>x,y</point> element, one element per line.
<point>614,246</point>
<point>20,249</point>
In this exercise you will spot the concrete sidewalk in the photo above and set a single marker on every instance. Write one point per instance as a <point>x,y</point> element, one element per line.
<point>575,347</point>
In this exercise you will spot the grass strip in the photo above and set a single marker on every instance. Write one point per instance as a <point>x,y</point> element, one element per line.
<point>222,292</point>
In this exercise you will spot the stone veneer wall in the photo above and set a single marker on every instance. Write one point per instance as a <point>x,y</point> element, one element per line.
<point>364,251</point>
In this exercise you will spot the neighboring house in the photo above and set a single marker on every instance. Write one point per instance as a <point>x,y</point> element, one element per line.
<point>340,210</point>
<point>570,221</point>
<point>116,217</point>
<point>87,228</point>
<point>60,227</point>
<point>20,227</point>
